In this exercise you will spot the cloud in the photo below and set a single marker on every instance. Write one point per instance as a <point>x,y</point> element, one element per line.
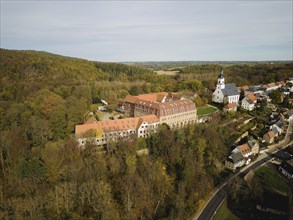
<point>128,31</point>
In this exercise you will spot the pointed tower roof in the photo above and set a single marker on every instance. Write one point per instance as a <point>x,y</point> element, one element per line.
<point>221,76</point>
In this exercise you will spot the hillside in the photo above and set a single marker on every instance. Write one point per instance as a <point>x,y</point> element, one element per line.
<point>43,173</point>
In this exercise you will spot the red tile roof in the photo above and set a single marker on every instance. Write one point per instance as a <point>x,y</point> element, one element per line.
<point>244,148</point>
<point>115,125</point>
<point>271,134</point>
<point>91,120</point>
<point>252,97</point>
<point>230,105</point>
<point>244,88</point>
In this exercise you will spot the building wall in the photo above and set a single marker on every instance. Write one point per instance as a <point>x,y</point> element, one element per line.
<point>179,120</point>
<point>246,105</point>
<point>255,150</point>
<point>129,109</point>
<point>268,139</point>
<point>146,129</point>
<point>218,96</point>
<point>233,99</point>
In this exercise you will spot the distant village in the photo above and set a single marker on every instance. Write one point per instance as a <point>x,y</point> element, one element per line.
<point>143,114</point>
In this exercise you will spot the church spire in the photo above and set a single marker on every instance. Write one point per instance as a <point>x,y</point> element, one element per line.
<point>221,76</point>
<point>221,80</point>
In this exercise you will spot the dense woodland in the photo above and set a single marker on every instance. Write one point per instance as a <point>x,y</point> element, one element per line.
<point>45,176</point>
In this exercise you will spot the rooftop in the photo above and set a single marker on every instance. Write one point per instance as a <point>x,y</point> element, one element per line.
<point>230,90</point>
<point>115,125</point>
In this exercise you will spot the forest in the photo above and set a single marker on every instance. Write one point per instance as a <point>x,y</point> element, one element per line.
<point>44,175</point>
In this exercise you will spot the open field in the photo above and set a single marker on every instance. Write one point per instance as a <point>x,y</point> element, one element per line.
<point>167,72</point>
<point>270,179</point>
<point>224,213</point>
<point>204,110</point>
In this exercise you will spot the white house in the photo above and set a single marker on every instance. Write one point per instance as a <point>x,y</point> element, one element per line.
<point>104,102</point>
<point>225,93</point>
<point>234,161</point>
<point>286,168</point>
<point>247,104</point>
<point>244,149</point>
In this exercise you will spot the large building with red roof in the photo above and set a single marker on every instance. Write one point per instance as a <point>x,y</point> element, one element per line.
<point>169,108</point>
<point>102,132</point>
<point>146,112</point>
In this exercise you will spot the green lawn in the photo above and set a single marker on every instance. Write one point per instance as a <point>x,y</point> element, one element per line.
<point>204,110</point>
<point>270,179</point>
<point>224,213</point>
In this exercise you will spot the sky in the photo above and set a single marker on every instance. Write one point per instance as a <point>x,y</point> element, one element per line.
<point>120,31</point>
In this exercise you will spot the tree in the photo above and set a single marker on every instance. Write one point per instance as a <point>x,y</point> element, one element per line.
<point>276,96</point>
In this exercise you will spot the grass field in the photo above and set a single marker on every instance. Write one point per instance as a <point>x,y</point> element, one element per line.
<point>204,110</point>
<point>270,179</point>
<point>167,72</point>
<point>224,213</point>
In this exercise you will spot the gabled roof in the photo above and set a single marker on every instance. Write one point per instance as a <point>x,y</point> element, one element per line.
<point>230,106</point>
<point>244,148</point>
<point>280,123</point>
<point>150,119</point>
<point>236,157</point>
<point>252,97</point>
<point>155,97</point>
<point>271,134</point>
<point>131,99</point>
<point>275,130</point>
<point>167,108</point>
<point>91,120</point>
<point>250,101</point>
<point>252,143</point>
<point>124,124</point>
<point>230,90</point>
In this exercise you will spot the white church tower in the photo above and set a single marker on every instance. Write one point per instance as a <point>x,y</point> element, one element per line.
<point>221,81</point>
<point>225,93</point>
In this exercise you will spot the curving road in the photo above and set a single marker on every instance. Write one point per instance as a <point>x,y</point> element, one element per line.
<point>217,198</point>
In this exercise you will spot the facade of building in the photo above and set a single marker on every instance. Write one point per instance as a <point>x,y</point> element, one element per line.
<point>269,137</point>
<point>169,108</point>
<point>147,111</point>
<point>225,93</point>
<point>102,132</point>
<point>254,146</point>
<point>244,149</point>
<point>247,104</point>
<point>234,161</point>
<point>231,107</point>
<point>286,168</point>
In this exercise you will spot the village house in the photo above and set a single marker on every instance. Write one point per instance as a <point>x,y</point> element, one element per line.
<point>247,104</point>
<point>269,137</point>
<point>257,90</point>
<point>244,149</point>
<point>286,168</point>
<point>254,146</point>
<point>225,93</point>
<point>279,126</point>
<point>288,115</point>
<point>235,161</point>
<point>230,107</point>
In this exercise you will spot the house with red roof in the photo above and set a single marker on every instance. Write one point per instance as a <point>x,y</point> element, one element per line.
<point>230,107</point>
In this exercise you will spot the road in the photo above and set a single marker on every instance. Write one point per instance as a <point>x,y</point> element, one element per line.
<point>215,201</point>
